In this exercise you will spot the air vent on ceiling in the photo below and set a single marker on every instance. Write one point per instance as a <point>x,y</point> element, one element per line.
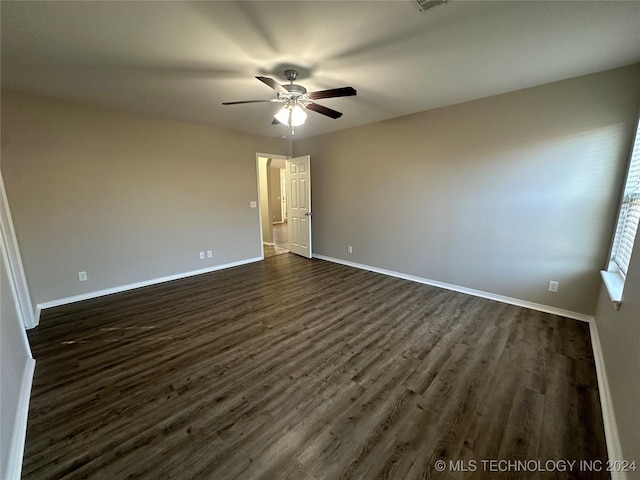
<point>424,5</point>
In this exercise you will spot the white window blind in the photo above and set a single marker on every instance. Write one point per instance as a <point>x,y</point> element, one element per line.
<point>629,212</point>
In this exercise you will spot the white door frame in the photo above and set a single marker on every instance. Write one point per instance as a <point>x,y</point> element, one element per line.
<point>283,193</point>
<point>14,261</point>
<point>258,156</point>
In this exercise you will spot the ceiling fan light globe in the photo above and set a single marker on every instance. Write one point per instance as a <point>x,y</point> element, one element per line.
<point>298,116</point>
<point>283,116</point>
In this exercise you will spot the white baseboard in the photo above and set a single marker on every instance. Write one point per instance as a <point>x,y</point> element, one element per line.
<point>132,286</point>
<point>470,291</point>
<point>614,448</point>
<point>13,469</point>
<point>36,316</point>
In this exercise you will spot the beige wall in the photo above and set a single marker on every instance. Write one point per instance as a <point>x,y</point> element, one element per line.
<point>125,198</point>
<point>619,333</point>
<point>501,194</point>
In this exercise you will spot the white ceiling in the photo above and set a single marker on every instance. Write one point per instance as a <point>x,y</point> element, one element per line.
<point>182,59</point>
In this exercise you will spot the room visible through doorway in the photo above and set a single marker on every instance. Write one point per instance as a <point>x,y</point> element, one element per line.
<point>273,206</point>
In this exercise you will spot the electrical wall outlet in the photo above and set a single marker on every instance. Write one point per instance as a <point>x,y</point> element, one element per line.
<point>209,254</point>
<point>253,204</point>
<point>82,276</point>
<point>553,286</point>
<point>349,249</point>
<point>201,255</point>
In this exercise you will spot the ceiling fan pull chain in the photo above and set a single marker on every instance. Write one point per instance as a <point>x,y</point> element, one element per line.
<point>291,120</point>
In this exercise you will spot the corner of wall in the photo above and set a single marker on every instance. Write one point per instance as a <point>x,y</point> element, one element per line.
<point>13,468</point>
<point>612,436</point>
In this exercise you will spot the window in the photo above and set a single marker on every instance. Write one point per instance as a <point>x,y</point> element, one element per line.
<point>629,213</point>
<point>626,228</point>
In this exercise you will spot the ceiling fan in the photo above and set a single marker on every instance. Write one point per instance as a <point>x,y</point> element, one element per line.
<point>297,100</point>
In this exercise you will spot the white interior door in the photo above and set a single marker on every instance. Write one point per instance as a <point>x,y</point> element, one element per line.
<point>299,205</point>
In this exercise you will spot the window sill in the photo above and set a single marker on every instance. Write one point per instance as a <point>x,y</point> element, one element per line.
<point>615,285</point>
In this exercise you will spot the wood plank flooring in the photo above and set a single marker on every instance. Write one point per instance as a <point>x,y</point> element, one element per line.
<point>272,250</point>
<point>281,234</point>
<point>307,370</point>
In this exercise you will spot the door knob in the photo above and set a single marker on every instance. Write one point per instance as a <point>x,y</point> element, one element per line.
<point>308,214</point>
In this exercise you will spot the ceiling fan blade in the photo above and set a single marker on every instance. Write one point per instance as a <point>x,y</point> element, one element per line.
<point>276,122</point>
<point>273,84</point>
<point>324,110</point>
<point>251,101</point>
<point>333,92</point>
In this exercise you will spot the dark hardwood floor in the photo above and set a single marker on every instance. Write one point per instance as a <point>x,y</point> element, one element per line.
<point>281,234</point>
<point>272,250</point>
<point>303,369</point>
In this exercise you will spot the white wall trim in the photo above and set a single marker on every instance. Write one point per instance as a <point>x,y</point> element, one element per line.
<point>13,468</point>
<point>470,291</point>
<point>614,283</point>
<point>614,447</point>
<point>146,283</point>
<point>37,315</point>
<point>15,268</point>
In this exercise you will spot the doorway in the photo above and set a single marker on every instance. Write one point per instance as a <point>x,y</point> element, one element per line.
<point>297,198</point>
<point>273,207</point>
<point>278,197</point>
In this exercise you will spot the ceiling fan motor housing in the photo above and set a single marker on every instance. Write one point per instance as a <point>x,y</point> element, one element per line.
<point>291,75</point>
<point>295,89</point>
